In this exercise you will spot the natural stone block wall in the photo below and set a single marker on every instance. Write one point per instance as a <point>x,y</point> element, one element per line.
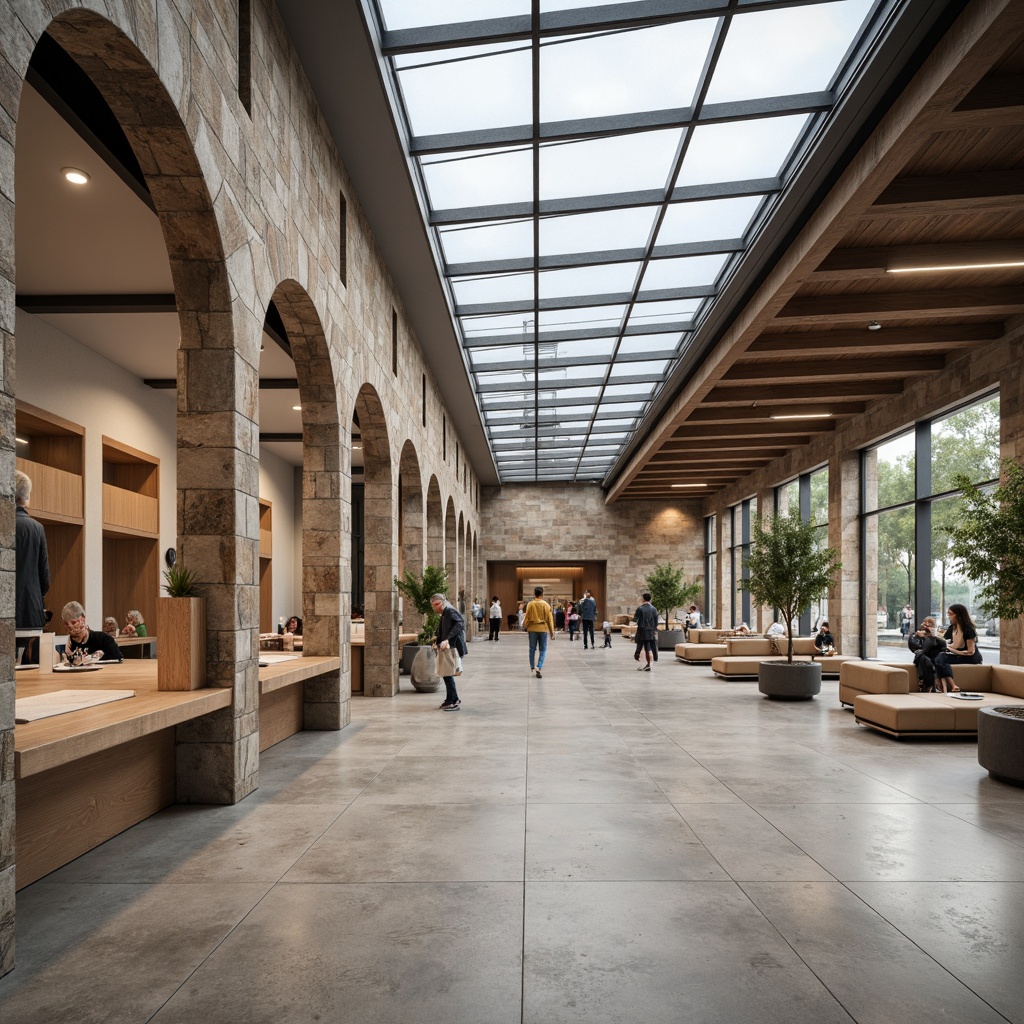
<point>571,522</point>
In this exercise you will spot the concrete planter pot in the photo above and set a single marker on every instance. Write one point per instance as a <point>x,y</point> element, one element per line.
<point>668,638</point>
<point>409,652</point>
<point>1001,744</point>
<point>423,671</point>
<point>780,680</point>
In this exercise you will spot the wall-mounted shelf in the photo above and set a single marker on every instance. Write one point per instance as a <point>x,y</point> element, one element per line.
<point>51,450</point>
<point>266,567</point>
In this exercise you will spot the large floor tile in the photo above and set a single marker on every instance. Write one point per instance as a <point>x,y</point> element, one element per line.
<point>590,778</point>
<point>376,842</point>
<point>487,778</point>
<point>876,971</point>
<point>112,954</point>
<point>661,953</point>
<point>613,842</point>
<point>418,954</point>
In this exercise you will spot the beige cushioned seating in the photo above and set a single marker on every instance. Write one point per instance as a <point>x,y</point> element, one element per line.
<point>701,646</point>
<point>743,656</point>
<point>882,700</point>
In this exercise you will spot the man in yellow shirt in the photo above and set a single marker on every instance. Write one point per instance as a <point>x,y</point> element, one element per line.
<point>539,624</point>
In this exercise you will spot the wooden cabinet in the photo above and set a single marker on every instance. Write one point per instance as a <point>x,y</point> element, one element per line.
<point>131,533</point>
<point>51,451</point>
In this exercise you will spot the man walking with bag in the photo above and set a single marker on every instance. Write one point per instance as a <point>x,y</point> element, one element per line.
<point>451,641</point>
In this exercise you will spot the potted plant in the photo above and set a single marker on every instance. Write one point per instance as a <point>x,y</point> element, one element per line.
<point>788,571</point>
<point>986,543</point>
<point>181,661</point>
<point>418,657</point>
<point>669,592</point>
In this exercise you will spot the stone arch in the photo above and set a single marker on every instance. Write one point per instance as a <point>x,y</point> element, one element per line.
<point>463,582</point>
<point>216,439</point>
<point>380,600</point>
<point>451,560</point>
<point>325,495</point>
<point>411,509</point>
<point>435,524</point>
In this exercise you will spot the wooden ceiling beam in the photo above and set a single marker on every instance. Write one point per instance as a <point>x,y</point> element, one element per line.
<point>782,432</point>
<point>766,409</point>
<point>945,194</point>
<point>861,340</point>
<point>916,305</point>
<point>825,371</point>
<point>996,101</point>
<point>876,261</point>
<point>740,393</point>
<point>721,449</point>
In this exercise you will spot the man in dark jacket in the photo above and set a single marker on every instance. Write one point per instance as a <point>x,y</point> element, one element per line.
<point>451,635</point>
<point>588,613</point>
<point>32,566</point>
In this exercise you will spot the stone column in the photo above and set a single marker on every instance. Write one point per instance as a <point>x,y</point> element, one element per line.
<point>380,558</point>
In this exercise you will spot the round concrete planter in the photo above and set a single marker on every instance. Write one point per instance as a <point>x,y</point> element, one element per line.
<point>423,672</point>
<point>781,680</point>
<point>668,638</point>
<point>409,652</point>
<point>1001,744</point>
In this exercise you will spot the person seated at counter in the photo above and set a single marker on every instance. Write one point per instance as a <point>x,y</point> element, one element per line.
<point>294,626</point>
<point>134,626</point>
<point>110,626</point>
<point>82,638</point>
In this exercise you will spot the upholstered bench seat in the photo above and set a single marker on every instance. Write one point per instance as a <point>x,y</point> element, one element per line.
<point>744,655</point>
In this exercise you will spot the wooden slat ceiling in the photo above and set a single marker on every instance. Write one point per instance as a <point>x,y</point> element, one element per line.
<point>939,183</point>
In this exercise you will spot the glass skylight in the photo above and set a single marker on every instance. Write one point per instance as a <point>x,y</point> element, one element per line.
<point>585,231</point>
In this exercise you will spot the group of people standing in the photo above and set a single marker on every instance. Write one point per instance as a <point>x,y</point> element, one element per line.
<point>936,653</point>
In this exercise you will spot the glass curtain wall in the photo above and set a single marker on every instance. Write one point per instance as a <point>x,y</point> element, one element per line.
<point>739,550</point>
<point>808,495</point>
<point>909,502</point>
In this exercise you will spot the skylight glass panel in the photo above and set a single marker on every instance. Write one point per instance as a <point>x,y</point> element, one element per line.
<point>493,288</point>
<point>787,51</point>
<point>668,312</point>
<point>629,390</point>
<point>499,324</point>
<point>466,89</point>
<point>651,368</point>
<point>707,220</point>
<point>598,349</point>
<point>620,163</point>
<point>622,72</point>
<point>460,180</point>
<point>628,228</point>
<point>420,13</point>
<point>739,150</point>
<point>648,343</point>
<point>480,358</point>
<point>497,240</point>
<point>685,272</point>
<point>608,277</point>
<point>587,316</point>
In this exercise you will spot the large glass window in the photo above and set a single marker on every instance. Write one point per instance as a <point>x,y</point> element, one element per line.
<point>808,495</point>
<point>710,569</point>
<point>739,552</point>
<point>910,503</point>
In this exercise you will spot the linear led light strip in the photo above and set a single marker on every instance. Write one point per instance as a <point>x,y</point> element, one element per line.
<point>803,416</point>
<point>956,266</point>
<point>689,485</point>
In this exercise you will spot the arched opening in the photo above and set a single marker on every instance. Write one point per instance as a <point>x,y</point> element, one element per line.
<point>294,335</point>
<point>379,549</point>
<point>464,598</point>
<point>451,548</point>
<point>410,511</point>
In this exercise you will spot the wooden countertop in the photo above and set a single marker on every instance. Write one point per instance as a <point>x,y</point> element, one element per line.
<point>64,738</point>
<point>284,673</point>
<point>403,638</point>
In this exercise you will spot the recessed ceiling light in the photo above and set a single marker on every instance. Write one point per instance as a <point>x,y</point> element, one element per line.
<point>689,485</point>
<point>296,408</point>
<point>956,266</point>
<point>21,440</point>
<point>357,447</point>
<point>874,326</point>
<point>803,416</point>
<point>75,176</point>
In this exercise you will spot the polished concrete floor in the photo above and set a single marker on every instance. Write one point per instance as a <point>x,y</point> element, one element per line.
<point>599,845</point>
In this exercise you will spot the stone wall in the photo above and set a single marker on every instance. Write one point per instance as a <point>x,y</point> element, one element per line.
<point>572,522</point>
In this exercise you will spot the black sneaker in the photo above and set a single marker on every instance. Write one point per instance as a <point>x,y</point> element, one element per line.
<point>453,706</point>
<point>647,668</point>
<point>539,676</point>
<point>445,706</point>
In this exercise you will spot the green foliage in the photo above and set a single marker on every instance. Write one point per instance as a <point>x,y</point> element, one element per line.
<point>419,590</point>
<point>180,582</point>
<point>986,541</point>
<point>668,591</point>
<point>787,569</point>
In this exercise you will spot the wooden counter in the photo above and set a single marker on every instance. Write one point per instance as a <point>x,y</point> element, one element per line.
<point>281,696</point>
<point>357,645</point>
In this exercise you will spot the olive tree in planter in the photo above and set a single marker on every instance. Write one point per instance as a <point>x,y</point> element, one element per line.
<point>669,592</point>
<point>788,571</point>
<point>418,657</point>
<point>987,543</point>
